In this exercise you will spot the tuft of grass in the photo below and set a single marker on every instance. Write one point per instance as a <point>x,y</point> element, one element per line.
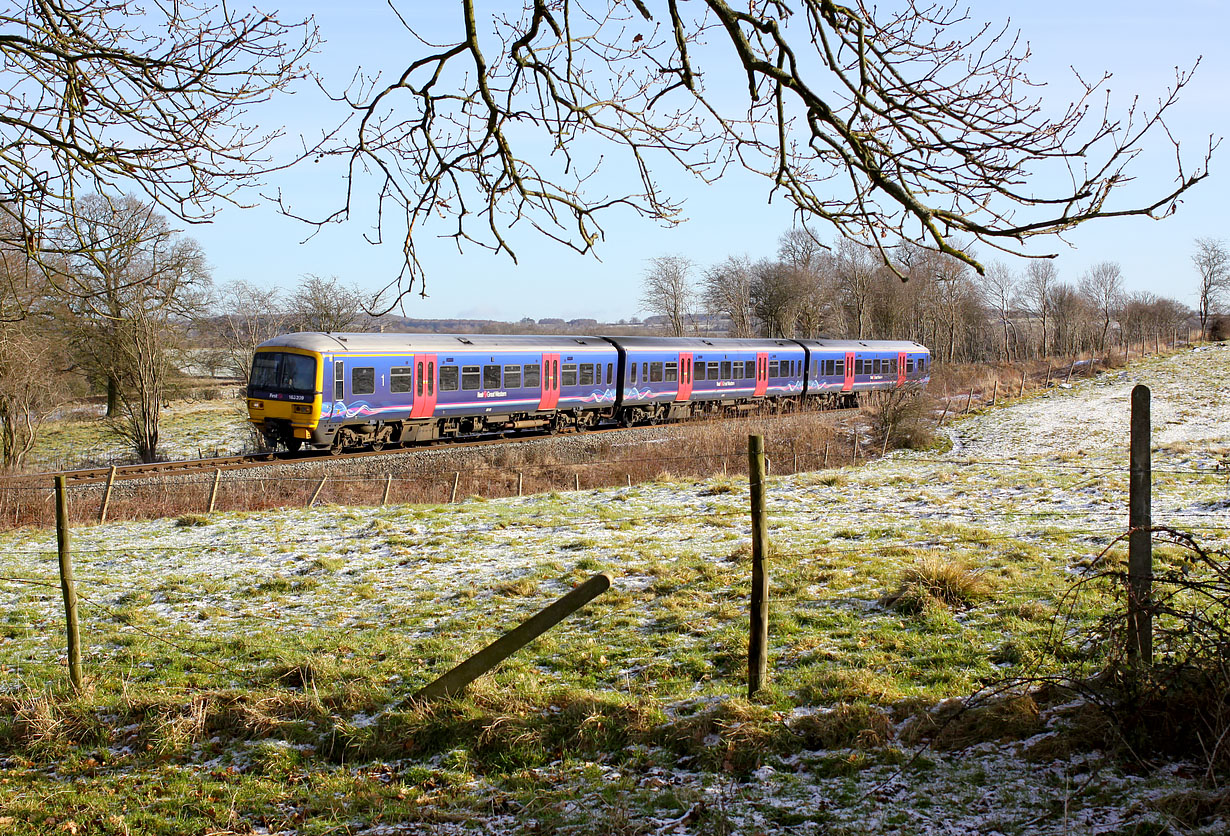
<point>192,520</point>
<point>936,582</point>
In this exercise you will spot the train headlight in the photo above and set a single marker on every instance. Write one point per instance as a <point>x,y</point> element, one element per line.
<point>255,405</point>
<point>303,408</point>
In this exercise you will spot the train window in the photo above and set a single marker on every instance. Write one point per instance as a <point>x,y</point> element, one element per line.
<point>634,372</point>
<point>671,371</point>
<point>491,376</point>
<point>512,377</point>
<point>610,373</point>
<point>749,370</point>
<point>448,379</point>
<point>471,376</point>
<point>644,372</point>
<point>699,374</point>
<point>726,370</point>
<point>569,378</point>
<point>363,381</point>
<point>655,372</point>
<point>586,374</point>
<point>339,381</point>
<point>839,368</point>
<point>713,372</point>
<point>773,368</point>
<point>431,379</point>
<point>401,378</point>
<point>892,365</point>
<point>533,376</point>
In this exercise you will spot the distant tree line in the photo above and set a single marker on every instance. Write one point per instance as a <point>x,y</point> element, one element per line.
<point>848,291</point>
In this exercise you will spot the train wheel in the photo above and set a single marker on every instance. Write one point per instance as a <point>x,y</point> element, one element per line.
<point>293,444</point>
<point>377,445</point>
<point>338,444</point>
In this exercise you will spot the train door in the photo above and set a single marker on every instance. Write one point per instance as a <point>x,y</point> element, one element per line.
<point>762,374</point>
<point>550,382</point>
<point>901,368</point>
<point>685,377</point>
<point>424,386</point>
<point>848,384</point>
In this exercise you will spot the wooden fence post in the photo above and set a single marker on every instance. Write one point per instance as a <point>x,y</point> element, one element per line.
<point>67,585</point>
<point>1021,393</point>
<point>388,486</point>
<point>969,400</point>
<point>521,483</point>
<point>1140,537</point>
<point>854,444</point>
<point>1047,385</point>
<point>1070,368</point>
<point>995,392</point>
<point>826,455</point>
<point>758,636</point>
<point>456,479</point>
<point>506,645</point>
<point>577,480</point>
<point>106,500</point>
<point>319,488</point>
<point>213,491</point>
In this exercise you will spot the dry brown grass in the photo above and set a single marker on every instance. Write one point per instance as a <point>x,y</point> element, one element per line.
<point>796,443</point>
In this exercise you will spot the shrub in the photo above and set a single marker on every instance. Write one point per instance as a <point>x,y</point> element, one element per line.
<point>935,582</point>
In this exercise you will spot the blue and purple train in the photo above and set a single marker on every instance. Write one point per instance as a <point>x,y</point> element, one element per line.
<point>338,391</point>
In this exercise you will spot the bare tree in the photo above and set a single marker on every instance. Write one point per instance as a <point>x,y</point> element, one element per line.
<point>248,315</point>
<point>999,288</point>
<point>1213,264</point>
<point>322,304</point>
<point>775,297</point>
<point>726,288</point>
<point>128,291</point>
<point>107,97</point>
<point>666,290</point>
<point>1102,285</point>
<point>855,270</point>
<point>912,121</point>
<point>1040,279</point>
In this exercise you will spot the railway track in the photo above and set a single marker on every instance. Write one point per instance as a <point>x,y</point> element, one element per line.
<point>227,463</point>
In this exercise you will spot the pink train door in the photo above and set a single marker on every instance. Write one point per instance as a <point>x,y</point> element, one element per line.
<point>424,386</point>
<point>685,377</point>
<point>848,385</point>
<point>901,368</point>
<point>762,374</point>
<point>550,382</point>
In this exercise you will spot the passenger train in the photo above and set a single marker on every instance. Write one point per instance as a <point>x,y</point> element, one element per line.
<point>338,391</point>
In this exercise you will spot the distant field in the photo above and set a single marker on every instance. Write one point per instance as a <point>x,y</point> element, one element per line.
<point>188,430</point>
<point>250,673</point>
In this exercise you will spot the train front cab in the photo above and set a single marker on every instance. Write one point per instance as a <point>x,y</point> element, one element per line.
<point>284,394</point>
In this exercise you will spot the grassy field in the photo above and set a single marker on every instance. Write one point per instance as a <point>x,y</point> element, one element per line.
<point>253,673</point>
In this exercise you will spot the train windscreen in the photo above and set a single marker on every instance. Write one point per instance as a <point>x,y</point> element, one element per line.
<point>277,371</point>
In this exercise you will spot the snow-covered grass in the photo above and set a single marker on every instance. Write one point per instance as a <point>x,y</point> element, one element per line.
<point>188,429</point>
<point>251,672</point>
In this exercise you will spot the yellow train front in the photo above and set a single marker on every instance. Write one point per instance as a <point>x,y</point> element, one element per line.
<point>285,391</point>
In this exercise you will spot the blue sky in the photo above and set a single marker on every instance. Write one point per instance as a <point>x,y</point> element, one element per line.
<point>1141,43</point>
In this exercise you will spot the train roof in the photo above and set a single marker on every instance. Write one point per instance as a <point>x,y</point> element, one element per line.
<point>336,342</point>
<point>874,345</point>
<point>703,343</point>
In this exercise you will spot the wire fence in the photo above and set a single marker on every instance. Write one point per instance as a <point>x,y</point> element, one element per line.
<point>260,605</point>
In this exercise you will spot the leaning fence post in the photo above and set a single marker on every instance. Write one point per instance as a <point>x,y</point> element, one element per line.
<point>388,486</point>
<point>509,643</point>
<point>969,400</point>
<point>1140,537</point>
<point>758,636</point>
<point>456,480</point>
<point>67,585</point>
<point>106,500</point>
<point>213,491</point>
<point>995,392</point>
<point>319,488</point>
<point>1021,393</point>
